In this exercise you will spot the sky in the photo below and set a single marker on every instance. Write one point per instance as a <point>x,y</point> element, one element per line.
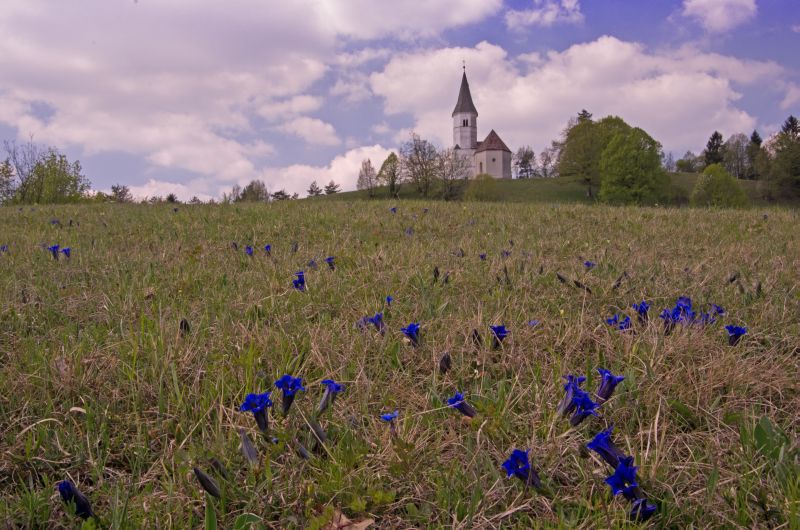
<point>194,96</point>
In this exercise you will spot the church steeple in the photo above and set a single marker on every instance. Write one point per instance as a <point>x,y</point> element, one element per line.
<point>464,103</point>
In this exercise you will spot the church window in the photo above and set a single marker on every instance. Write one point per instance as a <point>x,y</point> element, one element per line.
<point>465,123</point>
<point>494,160</point>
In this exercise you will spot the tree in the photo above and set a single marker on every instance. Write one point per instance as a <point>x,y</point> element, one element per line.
<point>6,182</point>
<point>756,157</point>
<point>714,153</point>
<point>254,191</point>
<point>419,163</point>
<point>331,188</point>
<point>314,190</point>
<point>452,168</point>
<point>631,171</point>
<point>688,164</point>
<point>281,195</point>
<point>791,129</point>
<point>525,162</point>
<point>195,200</point>
<point>42,175</point>
<point>669,163</point>
<point>120,193</point>
<point>367,179</point>
<point>734,154</point>
<point>390,174</point>
<point>172,199</point>
<point>717,187</point>
<point>584,115</point>
<point>786,164</point>
<point>548,162</point>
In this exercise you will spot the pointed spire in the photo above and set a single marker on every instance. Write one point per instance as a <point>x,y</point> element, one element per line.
<point>464,103</point>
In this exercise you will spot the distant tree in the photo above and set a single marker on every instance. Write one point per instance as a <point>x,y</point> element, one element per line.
<point>295,196</point>
<point>281,195</point>
<point>314,190</point>
<point>735,155</point>
<point>233,196</point>
<point>525,162</point>
<point>195,200</point>
<point>756,157</point>
<point>452,168</point>
<point>418,161</point>
<point>715,150</point>
<point>548,162</point>
<point>584,115</point>
<point>155,199</point>
<point>688,164</point>
<point>390,174</point>
<point>669,163</point>
<point>254,191</point>
<point>786,163</point>
<point>43,175</point>
<point>367,178</point>
<point>631,171</point>
<point>331,188</point>
<point>791,129</point>
<point>6,181</point>
<point>120,193</point>
<point>172,198</point>
<point>717,187</point>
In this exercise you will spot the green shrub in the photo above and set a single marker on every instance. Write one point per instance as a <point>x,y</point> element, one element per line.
<point>717,187</point>
<point>482,188</point>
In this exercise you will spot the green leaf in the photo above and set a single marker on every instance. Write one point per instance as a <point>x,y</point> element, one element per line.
<point>684,413</point>
<point>245,521</point>
<point>211,514</point>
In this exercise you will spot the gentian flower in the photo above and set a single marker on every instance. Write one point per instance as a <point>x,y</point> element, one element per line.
<point>572,386</point>
<point>331,264</point>
<point>332,389</point>
<point>505,253</point>
<point>603,445</point>
<point>533,323</point>
<point>608,383</point>
<point>70,494</point>
<point>393,209</point>
<point>641,510</point>
<point>54,251</point>
<point>3,248</point>
<point>300,282</point>
<point>616,323</point>
<point>258,404</point>
<point>717,310</point>
<point>312,265</point>
<point>519,466</point>
<point>208,483</point>
<point>248,250</point>
<point>249,450</point>
<point>735,334</point>
<point>390,417</point>
<point>409,231</point>
<point>362,322</point>
<point>482,256</point>
<point>589,264</point>
<point>377,321</point>
<point>412,332</point>
<point>389,300</point>
<point>499,333</point>
<point>642,310</point>
<point>289,386</point>
<point>584,407</point>
<point>268,249</point>
<point>624,478</point>
<point>445,363</point>
<point>66,251</point>
<point>457,402</point>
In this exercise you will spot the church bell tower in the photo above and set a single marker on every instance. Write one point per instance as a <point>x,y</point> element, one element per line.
<point>465,120</point>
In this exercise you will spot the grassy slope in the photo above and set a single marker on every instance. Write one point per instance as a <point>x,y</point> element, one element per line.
<point>100,386</point>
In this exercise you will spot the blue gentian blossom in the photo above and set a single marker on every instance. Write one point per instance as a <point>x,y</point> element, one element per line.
<point>362,322</point>
<point>332,389</point>
<point>258,405</point>
<point>3,248</point>
<point>608,383</point>
<point>268,249</point>
<point>735,334</point>
<point>617,323</point>
<point>330,261</point>
<point>377,321</point>
<point>70,494</point>
<point>390,417</point>
<point>248,250</point>
<point>499,333</point>
<point>289,386</point>
<point>603,445</point>
<point>589,264</point>
<point>717,310</point>
<point>54,251</point>
<point>389,300</point>
<point>533,323</point>
<point>299,283</point>
<point>505,253</point>
<point>67,252</point>
<point>482,256</point>
<point>641,510</point>
<point>623,480</point>
<point>518,465</point>
<point>642,310</point>
<point>312,265</point>
<point>393,209</point>
<point>584,407</point>
<point>412,332</point>
<point>572,386</point>
<point>457,402</point>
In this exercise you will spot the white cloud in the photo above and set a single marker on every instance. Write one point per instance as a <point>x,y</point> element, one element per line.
<point>792,96</point>
<point>352,87</point>
<point>678,96</point>
<point>545,13</point>
<point>312,130</point>
<point>719,16</point>
<point>796,28</point>
<point>289,107</point>
<point>160,188</point>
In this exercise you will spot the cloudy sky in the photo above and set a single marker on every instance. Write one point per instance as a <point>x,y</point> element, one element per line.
<point>193,96</point>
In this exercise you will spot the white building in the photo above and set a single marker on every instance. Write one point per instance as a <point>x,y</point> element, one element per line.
<point>491,155</point>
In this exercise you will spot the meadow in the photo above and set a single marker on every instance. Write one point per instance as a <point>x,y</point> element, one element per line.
<point>103,385</point>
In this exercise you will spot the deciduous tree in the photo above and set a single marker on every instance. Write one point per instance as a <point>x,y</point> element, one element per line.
<point>631,171</point>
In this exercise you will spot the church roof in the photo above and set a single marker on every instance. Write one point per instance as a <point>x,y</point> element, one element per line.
<point>492,143</point>
<point>464,103</point>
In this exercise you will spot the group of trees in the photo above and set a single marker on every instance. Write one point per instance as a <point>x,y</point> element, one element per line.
<point>527,166</point>
<point>256,191</point>
<point>35,174</point>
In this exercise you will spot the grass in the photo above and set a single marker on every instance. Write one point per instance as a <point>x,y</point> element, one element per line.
<point>101,385</point>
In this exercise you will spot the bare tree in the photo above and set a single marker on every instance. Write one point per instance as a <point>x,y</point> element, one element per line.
<point>419,163</point>
<point>6,181</point>
<point>525,162</point>
<point>548,162</point>
<point>735,155</point>
<point>451,168</point>
<point>367,178</point>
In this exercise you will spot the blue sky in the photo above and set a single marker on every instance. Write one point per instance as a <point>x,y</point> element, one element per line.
<point>195,96</point>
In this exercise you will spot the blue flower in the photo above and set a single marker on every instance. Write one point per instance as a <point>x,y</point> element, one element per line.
<point>258,405</point>
<point>332,389</point>
<point>641,510</point>
<point>584,407</point>
<point>312,265</point>
<point>390,417</point>
<point>624,478</point>
<point>66,251</point>
<point>642,309</point>
<point>248,250</point>
<point>70,494</point>
<point>533,323</point>
<point>330,261</point>
<point>457,402</point>
<point>409,231</point>
<point>519,466</point>
<point>412,332</point>
<point>393,209</point>
<point>620,324</point>
<point>289,386</point>
<point>735,334</point>
<point>717,310</point>
<point>572,386</point>
<point>300,282</point>
<point>482,256</point>
<point>54,251</point>
<point>505,253</point>
<point>268,249</point>
<point>377,321</point>
<point>603,445</point>
<point>389,300</point>
<point>499,333</point>
<point>608,383</point>
<point>3,248</point>
<point>589,264</point>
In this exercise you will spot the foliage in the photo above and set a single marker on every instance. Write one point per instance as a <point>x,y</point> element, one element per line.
<point>631,170</point>
<point>717,187</point>
<point>548,161</point>
<point>525,162</point>
<point>715,150</point>
<point>314,190</point>
<point>735,157</point>
<point>690,163</point>
<point>452,169</point>
<point>419,161</point>
<point>366,177</point>
<point>331,188</point>
<point>40,176</point>
<point>281,195</point>
<point>482,188</point>
<point>121,194</point>
<point>390,173</point>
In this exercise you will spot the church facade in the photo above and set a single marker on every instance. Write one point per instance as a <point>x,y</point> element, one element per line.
<point>490,156</point>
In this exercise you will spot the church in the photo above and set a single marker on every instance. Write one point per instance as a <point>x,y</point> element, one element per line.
<point>490,156</point>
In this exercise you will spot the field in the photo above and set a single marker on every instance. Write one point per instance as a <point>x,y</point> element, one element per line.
<point>103,385</point>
